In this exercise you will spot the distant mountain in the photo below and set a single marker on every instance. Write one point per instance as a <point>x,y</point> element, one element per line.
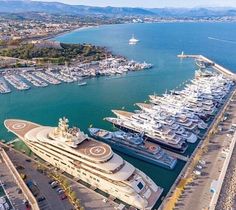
<point>194,12</point>
<point>20,6</point>
<point>55,7</point>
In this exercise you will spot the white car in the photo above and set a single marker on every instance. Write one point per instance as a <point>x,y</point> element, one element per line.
<point>199,167</point>
<point>198,173</point>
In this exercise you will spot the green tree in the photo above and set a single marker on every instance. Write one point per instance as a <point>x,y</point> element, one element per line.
<point>65,183</point>
<point>73,196</point>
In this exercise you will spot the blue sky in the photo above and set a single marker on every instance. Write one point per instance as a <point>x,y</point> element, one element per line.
<point>153,3</point>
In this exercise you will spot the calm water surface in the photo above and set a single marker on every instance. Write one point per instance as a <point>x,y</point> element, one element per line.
<point>159,45</point>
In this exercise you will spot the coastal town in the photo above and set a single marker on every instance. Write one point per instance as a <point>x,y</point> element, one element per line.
<point>13,31</point>
<point>31,26</point>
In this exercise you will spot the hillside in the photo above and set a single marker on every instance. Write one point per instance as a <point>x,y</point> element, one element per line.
<point>55,7</point>
<point>194,12</point>
<point>23,6</point>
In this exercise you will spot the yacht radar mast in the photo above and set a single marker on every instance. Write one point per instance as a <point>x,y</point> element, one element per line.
<point>72,136</point>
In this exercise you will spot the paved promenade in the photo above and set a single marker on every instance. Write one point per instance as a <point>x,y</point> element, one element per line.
<point>214,65</point>
<point>227,197</point>
<point>203,191</point>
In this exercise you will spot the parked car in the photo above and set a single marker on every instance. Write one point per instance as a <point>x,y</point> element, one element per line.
<point>199,167</point>
<point>19,191</point>
<point>33,187</point>
<point>203,162</point>
<point>28,160</point>
<point>198,173</point>
<point>58,189</point>
<point>51,181</point>
<point>26,203</point>
<point>20,168</point>
<point>63,197</point>
<point>54,184</point>
<point>40,170</point>
<point>42,198</point>
<point>60,192</point>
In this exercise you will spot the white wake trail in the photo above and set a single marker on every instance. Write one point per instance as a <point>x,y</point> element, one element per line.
<point>222,40</point>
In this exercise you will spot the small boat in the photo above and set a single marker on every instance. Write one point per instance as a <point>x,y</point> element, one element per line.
<point>82,83</point>
<point>133,41</point>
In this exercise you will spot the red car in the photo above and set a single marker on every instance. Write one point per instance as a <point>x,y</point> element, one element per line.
<point>63,197</point>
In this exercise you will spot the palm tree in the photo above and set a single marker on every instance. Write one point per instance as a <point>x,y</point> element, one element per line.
<point>68,190</point>
<point>77,204</point>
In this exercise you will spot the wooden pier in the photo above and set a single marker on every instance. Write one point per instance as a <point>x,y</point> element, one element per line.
<point>211,63</point>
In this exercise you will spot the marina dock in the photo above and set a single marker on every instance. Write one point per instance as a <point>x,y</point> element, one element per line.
<point>207,62</point>
<point>203,175</point>
<point>23,78</point>
<point>177,155</point>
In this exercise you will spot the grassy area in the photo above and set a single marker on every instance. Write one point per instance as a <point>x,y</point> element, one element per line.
<point>21,146</point>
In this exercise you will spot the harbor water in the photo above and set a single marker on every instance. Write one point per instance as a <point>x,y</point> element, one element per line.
<point>159,44</point>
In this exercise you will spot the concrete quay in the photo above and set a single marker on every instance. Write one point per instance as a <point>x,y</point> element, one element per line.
<point>202,191</point>
<point>211,63</point>
<point>177,155</point>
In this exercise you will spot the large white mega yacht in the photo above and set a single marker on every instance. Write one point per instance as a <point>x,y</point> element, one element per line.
<point>133,41</point>
<point>92,161</point>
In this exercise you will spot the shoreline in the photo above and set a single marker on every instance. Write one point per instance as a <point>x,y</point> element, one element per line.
<point>53,36</point>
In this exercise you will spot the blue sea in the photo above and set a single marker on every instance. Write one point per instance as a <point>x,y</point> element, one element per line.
<point>88,105</point>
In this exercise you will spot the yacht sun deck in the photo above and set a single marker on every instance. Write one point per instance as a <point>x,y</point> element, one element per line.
<point>123,113</point>
<point>94,150</point>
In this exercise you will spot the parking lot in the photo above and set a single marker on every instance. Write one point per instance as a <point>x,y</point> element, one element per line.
<point>39,184</point>
<point>90,200</point>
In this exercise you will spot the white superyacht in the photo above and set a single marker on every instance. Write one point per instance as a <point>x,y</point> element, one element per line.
<point>92,161</point>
